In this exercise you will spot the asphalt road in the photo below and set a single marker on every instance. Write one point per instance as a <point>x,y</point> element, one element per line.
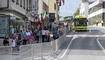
<point>83,48</point>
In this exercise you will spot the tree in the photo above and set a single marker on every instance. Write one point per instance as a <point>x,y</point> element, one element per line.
<point>77,12</point>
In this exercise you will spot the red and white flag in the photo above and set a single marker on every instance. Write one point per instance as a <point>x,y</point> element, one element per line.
<point>100,1</point>
<point>63,1</point>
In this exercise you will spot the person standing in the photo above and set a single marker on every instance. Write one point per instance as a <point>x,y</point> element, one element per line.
<point>6,41</point>
<point>25,39</point>
<point>47,35</point>
<point>19,42</point>
<point>13,43</point>
<point>43,35</point>
<point>37,36</point>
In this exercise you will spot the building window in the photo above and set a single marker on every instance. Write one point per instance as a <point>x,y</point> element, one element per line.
<point>20,3</point>
<point>13,0</point>
<point>17,2</point>
<point>24,4</point>
<point>27,5</point>
<point>55,6</point>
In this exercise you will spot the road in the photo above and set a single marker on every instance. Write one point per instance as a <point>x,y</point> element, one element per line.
<point>88,47</point>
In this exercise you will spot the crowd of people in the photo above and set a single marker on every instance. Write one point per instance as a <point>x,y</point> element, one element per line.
<point>44,34</point>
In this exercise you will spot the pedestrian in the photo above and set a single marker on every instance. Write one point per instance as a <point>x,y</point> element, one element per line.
<point>21,32</point>
<point>43,34</point>
<point>19,42</point>
<point>37,36</point>
<point>56,35</point>
<point>6,40</point>
<point>15,35</point>
<point>47,35</point>
<point>25,39</point>
<point>31,38</point>
<point>13,43</point>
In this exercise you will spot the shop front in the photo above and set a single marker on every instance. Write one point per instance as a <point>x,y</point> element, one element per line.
<point>10,24</point>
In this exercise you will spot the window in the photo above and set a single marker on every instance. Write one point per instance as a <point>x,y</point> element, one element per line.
<point>21,3</point>
<point>55,6</point>
<point>24,4</point>
<point>27,5</point>
<point>17,1</point>
<point>13,0</point>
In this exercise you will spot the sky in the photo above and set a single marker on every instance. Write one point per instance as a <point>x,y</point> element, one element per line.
<point>70,7</point>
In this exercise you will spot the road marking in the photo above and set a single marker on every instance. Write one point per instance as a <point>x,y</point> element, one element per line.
<point>85,35</point>
<point>60,57</point>
<point>100,45</point>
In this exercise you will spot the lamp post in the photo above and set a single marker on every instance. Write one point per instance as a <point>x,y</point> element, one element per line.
<point>57,6</point>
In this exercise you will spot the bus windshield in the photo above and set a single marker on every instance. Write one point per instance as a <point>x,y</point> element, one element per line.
<point>80,22</point>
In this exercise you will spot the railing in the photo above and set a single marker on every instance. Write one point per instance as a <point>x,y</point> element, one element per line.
<point>33,51</point>
<point>38,51</point>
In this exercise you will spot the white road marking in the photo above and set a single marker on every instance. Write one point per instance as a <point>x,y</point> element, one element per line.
<point>85,35</point>
<point>100,45</point>
<point>60,57</point>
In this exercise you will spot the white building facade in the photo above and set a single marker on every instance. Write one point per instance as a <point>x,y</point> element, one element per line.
<point>84,8</point>
<point>13,14</point>
<point>97,13</point>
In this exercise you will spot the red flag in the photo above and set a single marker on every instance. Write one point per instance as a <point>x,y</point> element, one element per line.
<point>63,2</point>
<point>100,1</point>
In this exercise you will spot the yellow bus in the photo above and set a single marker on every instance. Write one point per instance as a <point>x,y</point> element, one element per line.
<point>80,23</point>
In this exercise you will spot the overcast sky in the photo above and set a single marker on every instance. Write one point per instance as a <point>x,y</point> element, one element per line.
<point>69,7</point>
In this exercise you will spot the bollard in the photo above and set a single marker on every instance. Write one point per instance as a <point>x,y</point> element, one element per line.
<point>52,48</point>
<point>32,50</point>
<point>19,52</point>
<point>11,53</point>
<point>32,53</point>
<point>41,48</point>
<point>41,51</point>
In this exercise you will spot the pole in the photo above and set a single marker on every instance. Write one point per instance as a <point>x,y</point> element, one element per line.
<point>11,53</point>
<point>57,11</point>
<point>57,21</point>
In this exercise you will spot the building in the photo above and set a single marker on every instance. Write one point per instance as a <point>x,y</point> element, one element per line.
<point>84,8</point>
<point>52,10</point>
<point>97,13</point>
<point>13,13</point>
<point>42,6</point>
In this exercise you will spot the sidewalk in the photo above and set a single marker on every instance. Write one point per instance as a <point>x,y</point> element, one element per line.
<point>100,28</point>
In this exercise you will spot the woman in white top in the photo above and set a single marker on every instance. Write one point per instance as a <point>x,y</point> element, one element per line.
<point>13,43</point>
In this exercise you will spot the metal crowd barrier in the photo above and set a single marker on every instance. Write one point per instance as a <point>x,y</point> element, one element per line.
<point>38,51</point>
<point>32,51</point>
<point>5,53</point>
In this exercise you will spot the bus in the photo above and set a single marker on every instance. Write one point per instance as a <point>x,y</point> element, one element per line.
<point>80,23</point>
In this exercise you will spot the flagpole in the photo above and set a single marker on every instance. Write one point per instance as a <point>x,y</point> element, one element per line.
<point>57,11</point>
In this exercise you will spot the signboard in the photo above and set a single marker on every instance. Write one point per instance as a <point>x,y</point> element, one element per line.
<point>51,17</point>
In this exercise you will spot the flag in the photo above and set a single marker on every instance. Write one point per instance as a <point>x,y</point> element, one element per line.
<point>62,1</point>
<point>100,1</point>
<point>44,15</point>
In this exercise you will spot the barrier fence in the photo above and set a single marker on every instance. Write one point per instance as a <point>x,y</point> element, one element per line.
<point>32,51</point>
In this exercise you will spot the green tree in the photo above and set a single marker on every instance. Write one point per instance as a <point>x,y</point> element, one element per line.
<point>77,12</point>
